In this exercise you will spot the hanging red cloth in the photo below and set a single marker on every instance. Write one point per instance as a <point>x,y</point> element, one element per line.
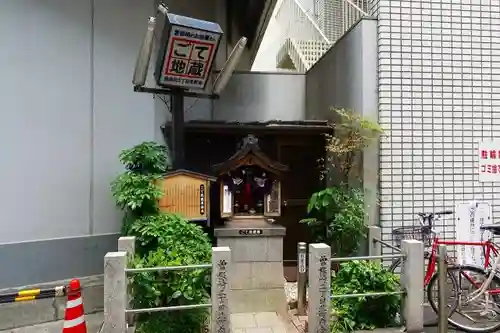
<point>247,195</point>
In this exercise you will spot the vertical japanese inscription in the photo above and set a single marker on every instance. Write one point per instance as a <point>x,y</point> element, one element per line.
<point>221,320</point>
<point>323,295</point>
<point>202,199</point>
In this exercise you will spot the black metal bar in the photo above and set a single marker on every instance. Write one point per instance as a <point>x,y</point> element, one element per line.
<point>178,130</point>
<point>15,297</point>
<point>167,91</point>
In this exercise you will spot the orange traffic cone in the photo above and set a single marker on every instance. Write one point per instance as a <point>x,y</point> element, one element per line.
<point>74,318</point>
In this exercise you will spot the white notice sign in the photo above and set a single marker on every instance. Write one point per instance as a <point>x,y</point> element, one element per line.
<point>470,217</point>
<point>489,161</point>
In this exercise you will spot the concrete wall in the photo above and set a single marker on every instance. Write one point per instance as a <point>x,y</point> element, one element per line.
<point>439,97</point>
<point>255,96</point>
<point>346,77</point>
<point>68,109</point>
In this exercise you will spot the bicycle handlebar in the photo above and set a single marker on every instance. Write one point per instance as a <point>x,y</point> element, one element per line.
<point>430,217</point>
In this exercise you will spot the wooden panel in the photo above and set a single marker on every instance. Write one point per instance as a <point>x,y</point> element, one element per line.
<point>297,186</point>
<point>182,196</point>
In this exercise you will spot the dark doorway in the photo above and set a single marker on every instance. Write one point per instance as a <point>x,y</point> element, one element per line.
<point>299,148</point>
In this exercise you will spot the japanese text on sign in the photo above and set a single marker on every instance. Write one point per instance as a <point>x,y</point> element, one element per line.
<point>302,262</point>
<point>324,295</point>
<point>489,161</point>
<point>221,303</point>
<point>188,57</point>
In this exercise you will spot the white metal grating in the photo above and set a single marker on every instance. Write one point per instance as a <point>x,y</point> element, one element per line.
<point>308,34</point>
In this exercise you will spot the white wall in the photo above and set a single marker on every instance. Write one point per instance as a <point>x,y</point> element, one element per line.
<point>346,77</point>
<point>439,96</point>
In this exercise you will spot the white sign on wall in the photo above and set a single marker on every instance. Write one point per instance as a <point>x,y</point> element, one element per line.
<point>470,216</point>
<point>489,161</point>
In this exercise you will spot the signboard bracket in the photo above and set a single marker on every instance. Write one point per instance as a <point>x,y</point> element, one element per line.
<point>169,91</point>
<point>178,130</point>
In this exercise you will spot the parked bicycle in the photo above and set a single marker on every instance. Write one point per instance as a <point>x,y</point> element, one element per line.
<point>473,291</point>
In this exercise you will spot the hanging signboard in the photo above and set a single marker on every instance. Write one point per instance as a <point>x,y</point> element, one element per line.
<point>470,216</point>
<point>489,161</point>
<point>187,51</point>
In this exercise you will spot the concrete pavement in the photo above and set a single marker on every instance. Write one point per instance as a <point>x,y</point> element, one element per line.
<point>94,322</point>
<point>260,322</point>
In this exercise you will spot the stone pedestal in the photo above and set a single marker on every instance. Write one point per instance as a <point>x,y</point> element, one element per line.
<point>257,282</point>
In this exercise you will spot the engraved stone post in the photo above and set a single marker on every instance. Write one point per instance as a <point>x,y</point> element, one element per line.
<point>412,280</point>
<point>221,265</point>
<point>115,292</point>
<point>319,288</point>
<point>127,244</point>
<point>374,248</point>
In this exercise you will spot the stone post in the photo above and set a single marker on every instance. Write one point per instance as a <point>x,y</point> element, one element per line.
<point>374,248</point>
<point>319,288</point>
<point>115,292</point>
<point>412,281</point>
<point>221,266</point>
<point>127,244</point>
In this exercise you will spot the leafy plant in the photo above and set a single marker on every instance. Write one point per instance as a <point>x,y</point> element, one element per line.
<point>148,157</point>
<point>137,191</point>
<point>169,240</point>
<point>364,313</point>
<point>163,231</point>
<point>339,218</point>
<point>352,133</point>
<point>162,240</point>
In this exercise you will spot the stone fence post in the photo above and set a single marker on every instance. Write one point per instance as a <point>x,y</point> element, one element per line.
<point>127,244</point>
<point>374,248</point>
<point>319,288</point>
<point>115,292</point>
<point>412,281</point>
<point>221,266</point>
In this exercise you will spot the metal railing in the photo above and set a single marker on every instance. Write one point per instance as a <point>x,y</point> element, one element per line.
<point>352,12</point>
<point>297,23</point>
<point>168,308</point>
<point>117,314</point>
<point>307,35</point>
<point>313,280</point>
<point>372,257</point>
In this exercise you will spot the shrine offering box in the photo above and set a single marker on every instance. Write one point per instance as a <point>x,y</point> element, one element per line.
<point>187,193</point>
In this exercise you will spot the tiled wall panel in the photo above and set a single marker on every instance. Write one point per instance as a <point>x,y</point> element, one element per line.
<point>439,95</point>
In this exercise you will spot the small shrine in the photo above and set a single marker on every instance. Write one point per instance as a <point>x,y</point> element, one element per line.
<point>250,196</point>
<point>250,183</point>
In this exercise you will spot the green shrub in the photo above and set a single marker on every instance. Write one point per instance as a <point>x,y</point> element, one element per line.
<point>169,240</point>
<point>137,190</point>
<point>363,313</point>
<point>148,157</point>
<point>339,218</point>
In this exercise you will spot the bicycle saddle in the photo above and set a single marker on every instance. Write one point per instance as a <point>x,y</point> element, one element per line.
<point>493,228</point>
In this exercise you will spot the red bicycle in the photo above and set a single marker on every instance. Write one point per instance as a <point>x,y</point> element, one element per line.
<point>473,291</point>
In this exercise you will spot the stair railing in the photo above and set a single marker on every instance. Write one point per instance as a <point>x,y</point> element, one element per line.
<point>297,23</point>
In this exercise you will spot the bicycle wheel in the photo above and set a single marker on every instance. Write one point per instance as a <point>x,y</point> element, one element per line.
<point>482,312</point>
<point>395,265</point>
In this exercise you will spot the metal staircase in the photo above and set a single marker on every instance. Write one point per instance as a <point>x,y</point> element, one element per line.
<point>307,35</point>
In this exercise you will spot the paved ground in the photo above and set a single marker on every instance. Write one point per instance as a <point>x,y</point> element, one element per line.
<point>260,322</point>
<point>93,321</point>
